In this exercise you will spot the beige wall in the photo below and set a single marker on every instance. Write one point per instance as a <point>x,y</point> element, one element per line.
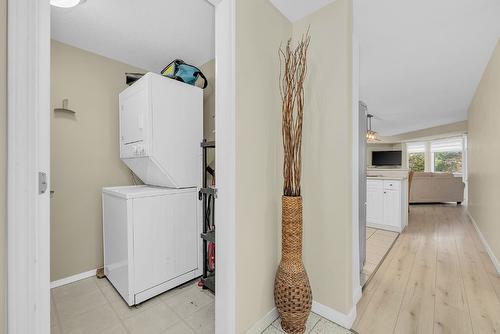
<point>484,154</point>
<point>208,70</point>
<point>327,199</point>
<point>327,155</point>
<point>85,155</point>
<point>3,158</point>
<point>258,151</point>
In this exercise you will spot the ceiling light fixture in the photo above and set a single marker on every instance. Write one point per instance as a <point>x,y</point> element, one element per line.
<point>65,3</point>
<point>370,134</point>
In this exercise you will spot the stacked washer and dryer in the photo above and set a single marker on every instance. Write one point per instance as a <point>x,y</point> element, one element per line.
<point>152,232</point>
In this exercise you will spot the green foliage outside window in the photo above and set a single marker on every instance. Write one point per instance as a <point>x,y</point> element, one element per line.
<point>450,162</point>
<point>417,162</point>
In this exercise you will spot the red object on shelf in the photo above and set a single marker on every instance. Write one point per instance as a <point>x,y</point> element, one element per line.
<point>211,256</point>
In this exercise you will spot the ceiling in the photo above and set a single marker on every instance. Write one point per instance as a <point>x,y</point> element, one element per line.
<point>148,34</point>
<point>294,10</point>
<point>421,61</point>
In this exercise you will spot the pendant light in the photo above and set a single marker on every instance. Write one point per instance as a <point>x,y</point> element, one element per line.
<point>370,134</point>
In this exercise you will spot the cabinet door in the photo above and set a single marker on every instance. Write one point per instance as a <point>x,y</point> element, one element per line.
<point>392,208</point>
<point>374,203</point>
<point>165,238</point>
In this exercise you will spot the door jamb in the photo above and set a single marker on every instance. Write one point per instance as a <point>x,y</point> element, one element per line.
<point>225,160</point>
<point>357,291</point>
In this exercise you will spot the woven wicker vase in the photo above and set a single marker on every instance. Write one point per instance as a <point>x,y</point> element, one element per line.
<point>292,291</point>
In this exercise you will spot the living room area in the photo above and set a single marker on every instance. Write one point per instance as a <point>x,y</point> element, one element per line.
<point>434,159</point>
<point>405,173</point>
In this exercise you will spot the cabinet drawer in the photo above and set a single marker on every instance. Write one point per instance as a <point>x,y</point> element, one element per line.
<point>392,185</point>
<point>375,184</point>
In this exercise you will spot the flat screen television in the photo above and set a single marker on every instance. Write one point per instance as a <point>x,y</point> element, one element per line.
<point>386,158</point>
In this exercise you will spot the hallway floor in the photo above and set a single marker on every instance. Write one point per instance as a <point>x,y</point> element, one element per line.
<point>92,306</point>
<point>437,278</point>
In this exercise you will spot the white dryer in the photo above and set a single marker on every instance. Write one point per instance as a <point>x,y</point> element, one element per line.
<point>161,128</point>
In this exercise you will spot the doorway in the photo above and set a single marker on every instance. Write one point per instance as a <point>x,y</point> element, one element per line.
<point>33,280</point>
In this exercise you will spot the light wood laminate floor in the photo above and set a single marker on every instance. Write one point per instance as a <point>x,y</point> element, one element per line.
<point>437,278</point>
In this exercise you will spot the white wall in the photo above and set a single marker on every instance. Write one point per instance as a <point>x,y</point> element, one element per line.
<point>3,160</point>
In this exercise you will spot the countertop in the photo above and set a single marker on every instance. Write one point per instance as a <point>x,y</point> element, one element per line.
<point>378,177</point>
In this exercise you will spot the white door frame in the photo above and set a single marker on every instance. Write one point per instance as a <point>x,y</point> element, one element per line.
<point>356,270</point>
<point>28,213</point>
<point>28,152</point>
<point>225,160</point>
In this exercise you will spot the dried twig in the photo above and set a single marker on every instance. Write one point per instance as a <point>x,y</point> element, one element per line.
<point>293,69</point>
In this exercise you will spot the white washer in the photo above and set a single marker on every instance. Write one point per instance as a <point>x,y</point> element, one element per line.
<point>151,239</point>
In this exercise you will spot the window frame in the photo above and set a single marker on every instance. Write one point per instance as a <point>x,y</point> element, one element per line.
<point>430,147</point>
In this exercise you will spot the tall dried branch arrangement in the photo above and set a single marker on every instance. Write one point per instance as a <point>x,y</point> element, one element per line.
<point>293,69</point>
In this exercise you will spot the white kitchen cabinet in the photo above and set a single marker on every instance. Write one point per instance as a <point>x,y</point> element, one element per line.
<point>374,202</point>
<point>387,204</point>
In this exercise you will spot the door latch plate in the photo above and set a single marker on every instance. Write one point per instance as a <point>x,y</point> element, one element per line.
<point>42,183</point>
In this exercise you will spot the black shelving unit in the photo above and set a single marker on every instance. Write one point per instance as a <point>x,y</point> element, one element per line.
<point>207,195</point>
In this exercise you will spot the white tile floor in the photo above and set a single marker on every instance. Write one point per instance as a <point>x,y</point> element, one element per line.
<point>93,306</point>
<point>378,244</point>
<point>315,325</point>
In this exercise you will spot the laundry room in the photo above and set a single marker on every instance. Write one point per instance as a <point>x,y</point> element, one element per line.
<point>132,166</point>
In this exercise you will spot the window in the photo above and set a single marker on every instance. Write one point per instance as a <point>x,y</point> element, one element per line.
<point>416,156</point>
<point>446,155</point>
<point>440,156</point>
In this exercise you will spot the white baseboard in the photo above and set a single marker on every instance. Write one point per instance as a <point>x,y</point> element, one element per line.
<point>263,323</point>
<point>344,320</point>
<point>358,293</point>
<point>72,279</point>
<point>492,256</point>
